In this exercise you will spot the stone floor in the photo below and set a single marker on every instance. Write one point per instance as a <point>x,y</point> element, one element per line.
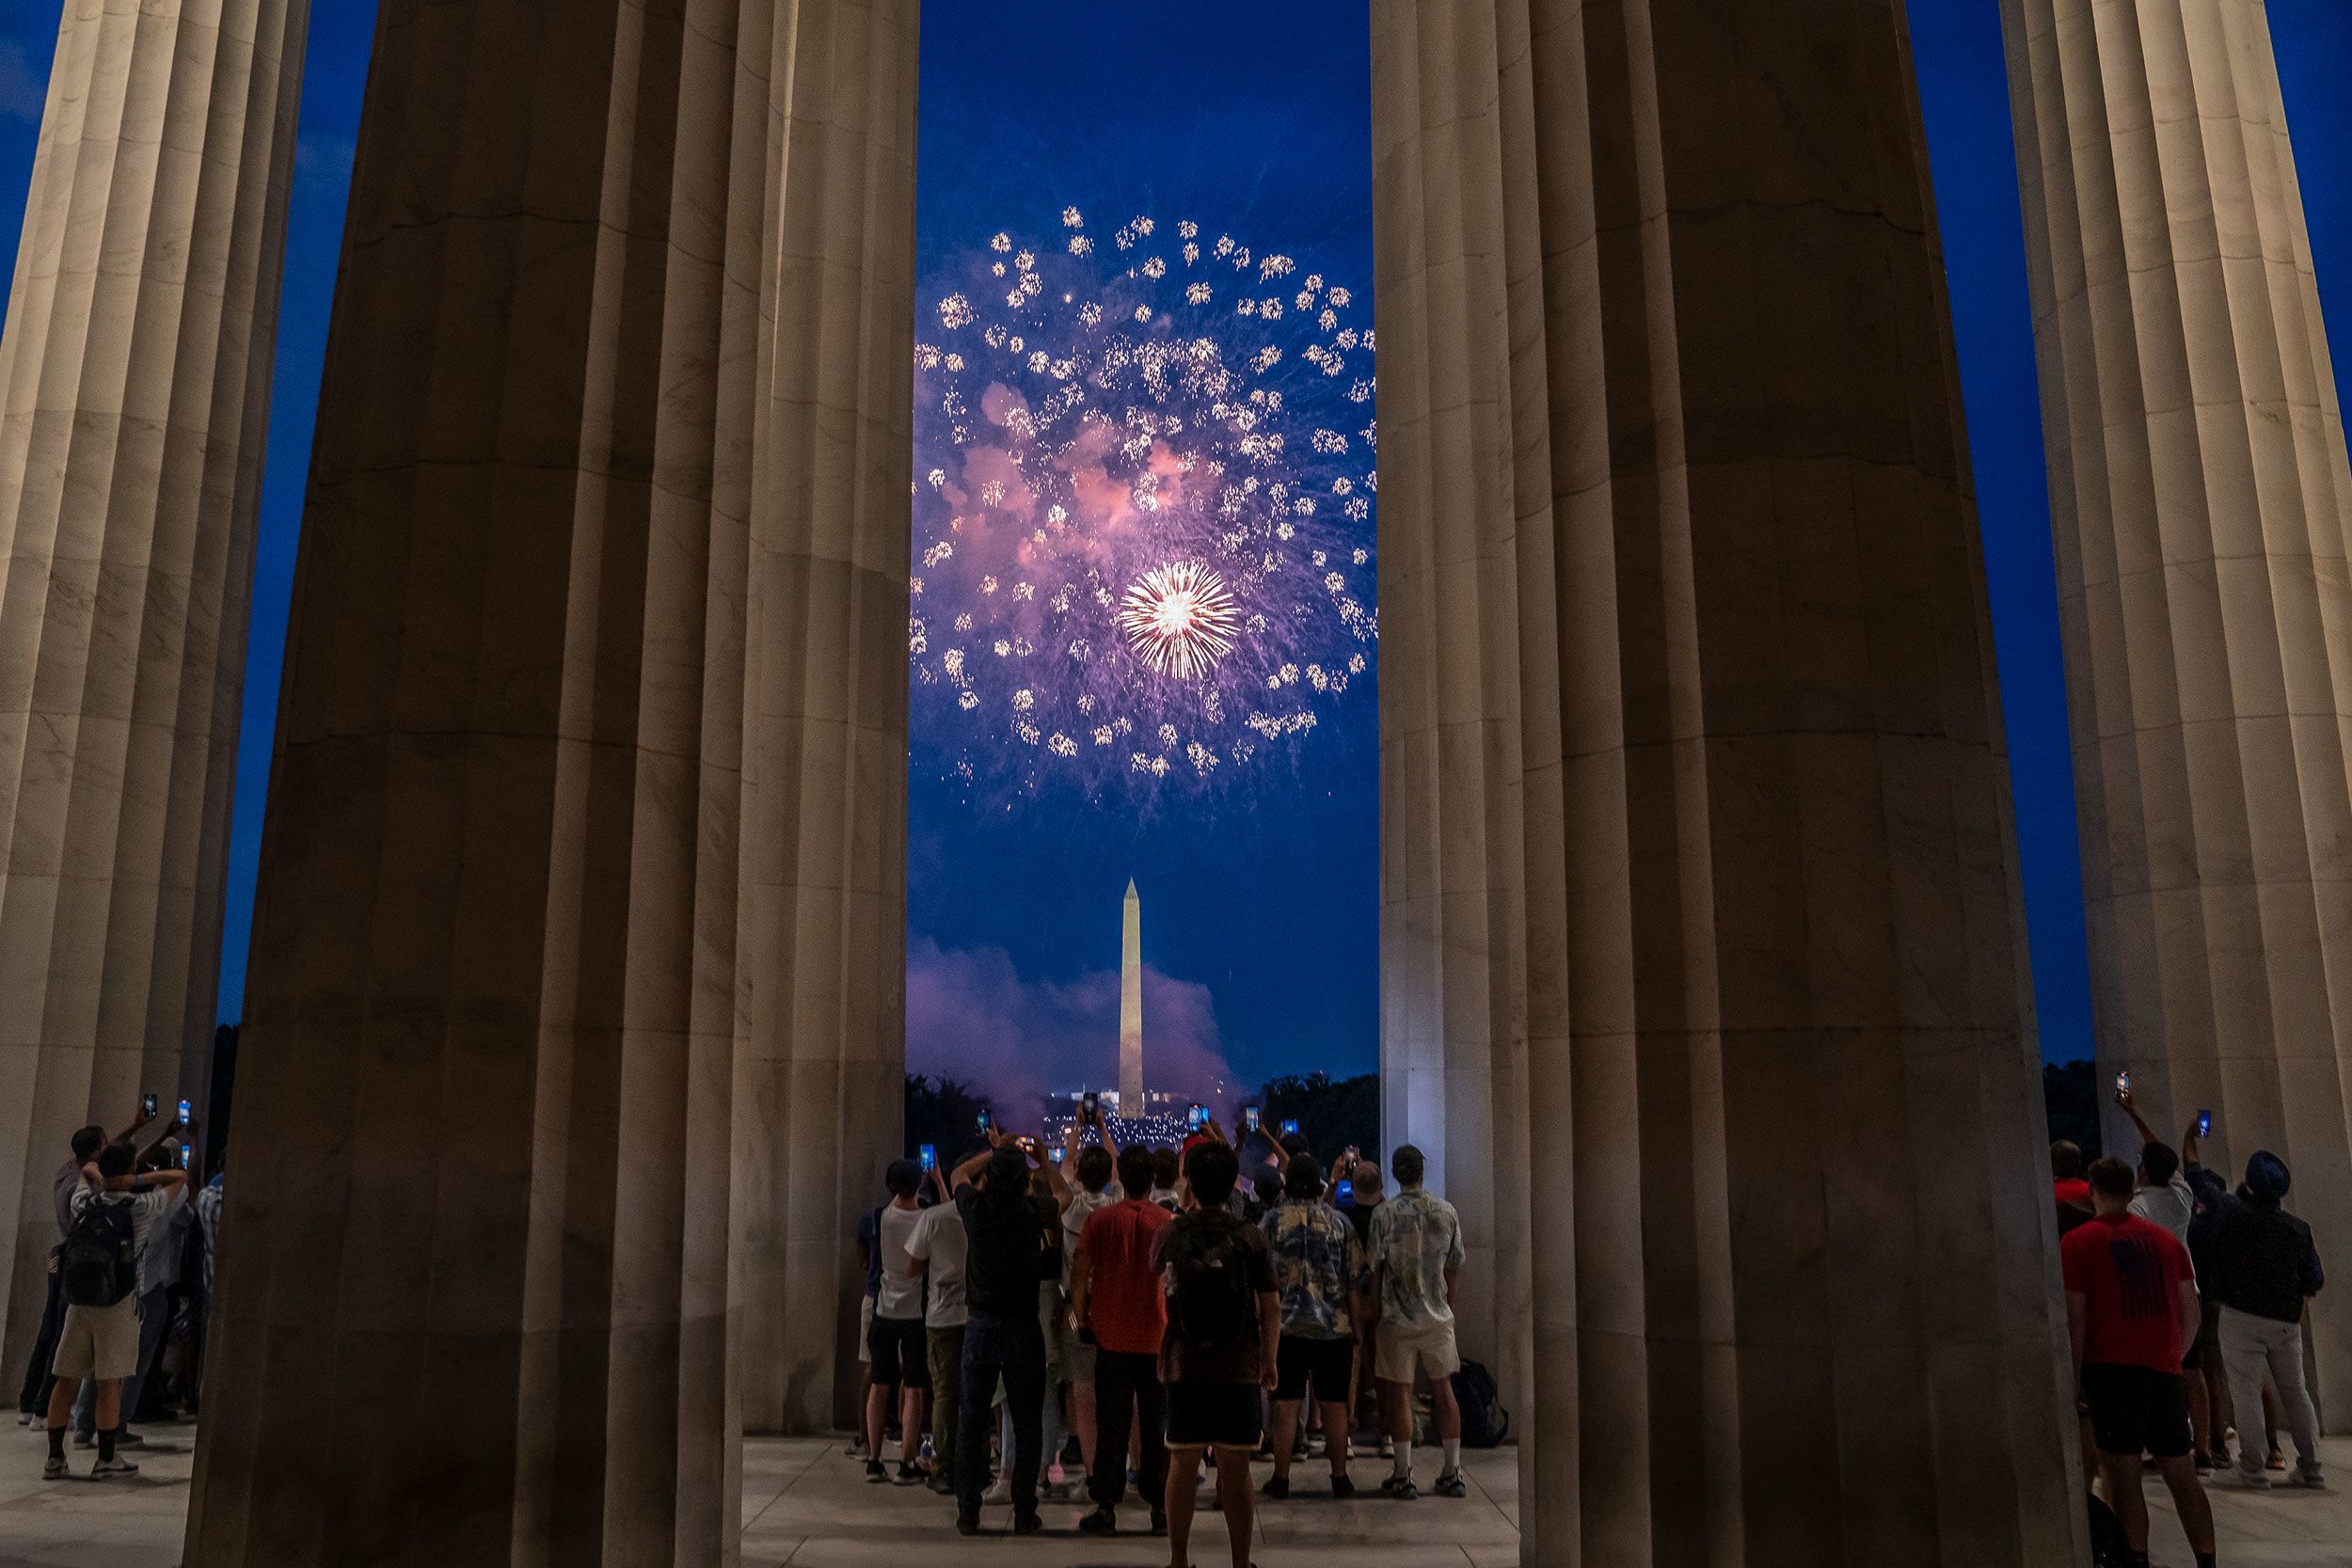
<point>806,1505</point>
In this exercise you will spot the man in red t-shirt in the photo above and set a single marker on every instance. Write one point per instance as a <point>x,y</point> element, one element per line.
<point>2066,1176</point>
<point>1121,1310</point>
<point>2131,1313</point>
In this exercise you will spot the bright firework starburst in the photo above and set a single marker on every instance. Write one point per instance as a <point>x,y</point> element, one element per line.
<point>1143,507</point>
<point>1181,620</point>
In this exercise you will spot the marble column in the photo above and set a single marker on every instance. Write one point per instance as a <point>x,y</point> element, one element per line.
<point>473,1303</point>
<point>821,1041</point>
<point>1704,960</point>
<point>135,375</point>
<point>2200,500</point>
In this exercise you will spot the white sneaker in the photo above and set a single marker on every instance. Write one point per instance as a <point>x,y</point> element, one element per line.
<point>116,1466</point>
<point>999,1490</point>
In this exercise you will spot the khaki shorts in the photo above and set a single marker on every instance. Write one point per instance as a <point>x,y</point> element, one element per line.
<point>1405,1347</point>
<point>99,1342</point>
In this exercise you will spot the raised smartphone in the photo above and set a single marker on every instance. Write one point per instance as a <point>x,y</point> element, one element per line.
<point>147,1105</point>
<point>184,1107</point>
<point>1249,1116</point>
<point>1289,1127</point>
<point>2204,1124</point>
<point>1345,1195</point>
<point>930,1156</point>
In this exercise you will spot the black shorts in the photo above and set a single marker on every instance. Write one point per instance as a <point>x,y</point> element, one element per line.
<point>2137,1410</point>
<point>1219,1415</point>
<point>900,1352</point>
<point>1328,1364</point>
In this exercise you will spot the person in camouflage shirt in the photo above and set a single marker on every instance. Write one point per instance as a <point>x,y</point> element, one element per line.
<point>1416,1252</point>
<point>1321,1274</point>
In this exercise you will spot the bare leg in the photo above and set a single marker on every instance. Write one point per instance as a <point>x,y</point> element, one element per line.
<point>1285,1434</point>
<point>1184,1494</point>
<point>1397,1400</point>
<point>62,1393</point>
<point>1334,1434</point>
<point>1448,1409</point>
<point>877,1417</point>
<point>1082,1420</point>
<point>2189,1501</point>
<point>1234,1496</point>
<point>910,1425</point>
<point>2130,1509</point>
<point>2200,1417</point>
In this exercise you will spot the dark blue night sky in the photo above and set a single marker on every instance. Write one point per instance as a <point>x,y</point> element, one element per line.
<point>1260,905</point>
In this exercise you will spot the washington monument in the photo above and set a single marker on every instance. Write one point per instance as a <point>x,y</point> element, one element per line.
<point>1131,1007</point>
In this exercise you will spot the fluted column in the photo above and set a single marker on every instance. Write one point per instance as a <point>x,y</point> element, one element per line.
<point>2199,499</point>
<point>135,373</point>
<point>822,1046</point>
<point>1699,888</point>
<point>474,1285</point>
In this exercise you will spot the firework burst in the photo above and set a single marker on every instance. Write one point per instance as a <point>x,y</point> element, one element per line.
<point>1143,507</point>
<point>1180,620</point>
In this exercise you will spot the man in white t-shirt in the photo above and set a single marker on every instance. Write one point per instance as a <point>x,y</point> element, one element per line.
<point>100,1338</point>
<point>935,1255</point>
<point>900,1363</point>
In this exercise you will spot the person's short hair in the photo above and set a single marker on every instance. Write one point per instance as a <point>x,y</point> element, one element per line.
<point>2066,1160</point>
<point>2112,1177</point>
<point>1213,1169</point>
<point>904,1178</point>
<point>86,1143</point>
<point>1007,1171</point>
<point>1305,1176</point>
<point>1367,1176</point>
<point>1407,1165</point>
<point>2158,1163</point>
<point>1164,1167</point>
<point>1139,1170</point>
<point>1295,1143</point>
<point>117,1160</point>
<point>1094,1167</point>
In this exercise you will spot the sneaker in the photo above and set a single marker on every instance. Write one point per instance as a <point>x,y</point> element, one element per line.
<point>1405,1491</point>
<point>53,1469</point>
<point>856,1450</point>
<point>944,1485</point>
<point>126,1438</point>
<point>2205,1463</point>
<point>999,1490</point>
<point>116,1466</point>
<point>1159,1520</point>
<point>909,1475</point>
<point>1390,1484</point>
<point>967,1524</point>
<point>1452,1485</point>
<point>1277,1487</point>
<point>2278,1461</point>
<point>2253,1481</point>
<point>2307,1476</point>
<point>875,1474</point>
<point>85,1439</point>
<point>1103,1521</point>
<point>1026,1524</point>
<point>1343,1488</point>
<point>1387,1447</point>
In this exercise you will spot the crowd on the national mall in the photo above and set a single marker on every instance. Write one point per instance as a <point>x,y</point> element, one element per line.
<point>1086,1321</point>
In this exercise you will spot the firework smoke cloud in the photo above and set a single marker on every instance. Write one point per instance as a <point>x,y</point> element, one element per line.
<point>1143,492</point>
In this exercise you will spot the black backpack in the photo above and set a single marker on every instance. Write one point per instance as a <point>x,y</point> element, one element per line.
<point>97,1260</point>
<point>1209,1263</point>
<point>1484,1422</point>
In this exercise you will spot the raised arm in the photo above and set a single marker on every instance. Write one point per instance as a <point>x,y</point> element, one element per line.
<point>1110,1144</point>
<point>2139,1124</point>
<point>970,1168</point>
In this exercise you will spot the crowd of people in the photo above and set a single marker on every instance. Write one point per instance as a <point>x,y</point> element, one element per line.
<point>1116,1319</point>
<point>122,1333</point>
<point>2185,1302</point>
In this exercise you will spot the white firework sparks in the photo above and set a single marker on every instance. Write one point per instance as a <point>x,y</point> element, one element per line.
<point>1181,620</point>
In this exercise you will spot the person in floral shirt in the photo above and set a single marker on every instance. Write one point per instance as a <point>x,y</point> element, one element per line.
<point>1321,1275</point>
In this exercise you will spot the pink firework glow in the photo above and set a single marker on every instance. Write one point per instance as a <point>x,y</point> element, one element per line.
<point>1144,479</point>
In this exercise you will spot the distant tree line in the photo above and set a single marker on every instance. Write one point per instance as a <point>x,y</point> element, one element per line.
<point>2070,1098</point>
